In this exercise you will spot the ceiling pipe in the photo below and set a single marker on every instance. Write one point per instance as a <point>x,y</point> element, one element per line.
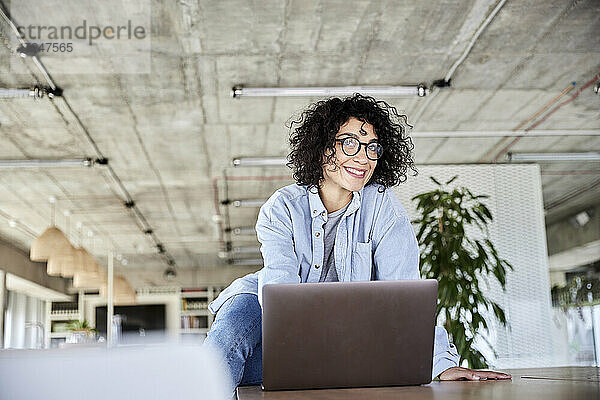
<point>569,196</point>
<point>519,127</point>
<point>460,60</point>
<point>15,223</point>
<point>545,117</point>
<point>24,44</point>
<point>140,219</point>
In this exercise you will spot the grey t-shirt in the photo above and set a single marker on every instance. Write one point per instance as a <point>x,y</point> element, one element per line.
<point>329,274</point>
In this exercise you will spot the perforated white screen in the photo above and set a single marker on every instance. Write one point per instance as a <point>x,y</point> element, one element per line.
<point>518,232</point>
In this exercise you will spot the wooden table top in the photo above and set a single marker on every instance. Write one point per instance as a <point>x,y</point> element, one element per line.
<point>530,384</point>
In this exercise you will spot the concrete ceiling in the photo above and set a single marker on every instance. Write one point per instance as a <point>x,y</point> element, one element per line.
<point>170,134</point>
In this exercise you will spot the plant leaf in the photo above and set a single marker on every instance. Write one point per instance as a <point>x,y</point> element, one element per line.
<point>435,180</point>
<point>452,179</point>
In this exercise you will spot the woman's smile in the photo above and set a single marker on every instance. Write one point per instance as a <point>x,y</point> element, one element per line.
<point>355,172</point>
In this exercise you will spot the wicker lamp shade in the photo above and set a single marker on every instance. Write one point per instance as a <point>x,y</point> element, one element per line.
<point>89,263</point>
<point>83,261</point>
<point>90,280</point>
<point>51,240</point>
<point>123,293</point>
<point>71,263</point>
<point>60,260</point>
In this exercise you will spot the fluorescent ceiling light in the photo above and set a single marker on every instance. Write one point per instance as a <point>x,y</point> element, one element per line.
<point>248,261</point>
<point>248,203</point>
<point>589,156</point>
<point>246,250</point>
<point>84,162</point>
<point>258,161</point>
<point>10,93</point>
<point>383,91</point>
<point>244,230</point>
<point>560,132</point>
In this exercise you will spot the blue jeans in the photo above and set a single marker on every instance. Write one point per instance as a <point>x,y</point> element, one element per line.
<point>236,335</point>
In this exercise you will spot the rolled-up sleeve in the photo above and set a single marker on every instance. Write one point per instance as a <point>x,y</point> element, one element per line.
<point>275,234</point>
<point>444,353</point>
<point>396,257</point>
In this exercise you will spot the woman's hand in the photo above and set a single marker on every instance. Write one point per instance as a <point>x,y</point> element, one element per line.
<point>461,374</point>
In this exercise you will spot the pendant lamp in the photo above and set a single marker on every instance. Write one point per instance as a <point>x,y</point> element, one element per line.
<point>90,280</point>
<point>123,293</point>
<point>90,275</point>
<point>63,261</point>
<point>52,239</point>
<point>89,263</point>
<point>45,244</point>
<point>79,259</point>
<point>71,263</point>
<point>73,259</point>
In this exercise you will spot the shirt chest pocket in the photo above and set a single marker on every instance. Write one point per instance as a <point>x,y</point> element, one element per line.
<point>362,262</point>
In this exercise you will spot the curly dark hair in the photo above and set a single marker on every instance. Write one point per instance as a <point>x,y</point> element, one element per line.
<point>313,139</point>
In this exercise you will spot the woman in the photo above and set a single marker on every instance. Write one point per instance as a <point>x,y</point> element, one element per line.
<point>337,223</point>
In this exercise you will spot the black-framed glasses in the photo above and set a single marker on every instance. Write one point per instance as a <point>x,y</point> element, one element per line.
<point>351,146</point>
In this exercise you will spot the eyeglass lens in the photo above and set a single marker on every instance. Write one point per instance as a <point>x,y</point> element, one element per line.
<point>352,146</point>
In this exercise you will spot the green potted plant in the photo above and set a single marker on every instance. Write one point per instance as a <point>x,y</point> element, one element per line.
<point>458,261</point>
<point>81,332</point>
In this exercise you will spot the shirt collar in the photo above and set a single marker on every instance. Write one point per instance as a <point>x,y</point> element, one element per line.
<point>318,209</point>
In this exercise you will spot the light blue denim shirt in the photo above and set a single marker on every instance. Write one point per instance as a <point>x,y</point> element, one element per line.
<point>374,241</point>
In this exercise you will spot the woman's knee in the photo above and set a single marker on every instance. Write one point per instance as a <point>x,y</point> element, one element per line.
<point>238,319</point>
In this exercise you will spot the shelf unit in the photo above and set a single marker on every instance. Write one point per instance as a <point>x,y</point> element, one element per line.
<point>193,316</point>
<point>195,319</point>
<point>58,316</point>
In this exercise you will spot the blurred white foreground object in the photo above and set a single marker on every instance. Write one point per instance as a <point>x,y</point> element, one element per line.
<point>134,372</point>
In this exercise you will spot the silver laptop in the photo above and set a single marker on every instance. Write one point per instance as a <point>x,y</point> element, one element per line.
<point>351,334</point>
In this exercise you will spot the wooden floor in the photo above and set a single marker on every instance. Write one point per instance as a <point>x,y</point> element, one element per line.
<point>530,384</point>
